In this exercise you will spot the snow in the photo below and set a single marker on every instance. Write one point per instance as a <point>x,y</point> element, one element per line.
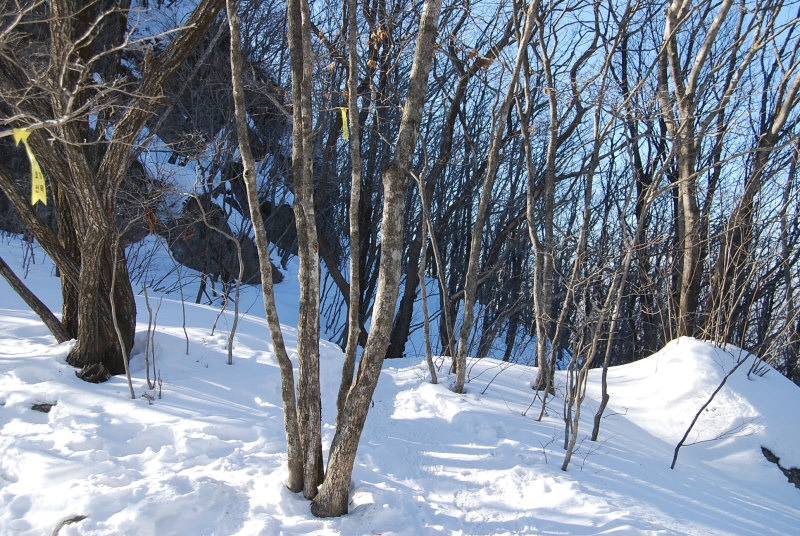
<point>208,457</point>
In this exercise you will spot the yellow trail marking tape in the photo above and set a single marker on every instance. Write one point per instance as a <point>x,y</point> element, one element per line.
<point>38,188</point>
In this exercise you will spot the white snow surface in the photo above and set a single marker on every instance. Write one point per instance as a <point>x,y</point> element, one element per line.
<point>208,457</point>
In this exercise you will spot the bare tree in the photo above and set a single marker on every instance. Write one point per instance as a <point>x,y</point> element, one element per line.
<point>777,106</point>
<point>499,127</point>
<point>295,453</point>
<point>83,133</point>
<point>354,302</point>
<point>333,496</point>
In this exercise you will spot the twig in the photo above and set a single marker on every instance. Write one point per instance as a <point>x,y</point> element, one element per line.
<point>700,411</point>
<point>125,356</point>
<point>68,521</point>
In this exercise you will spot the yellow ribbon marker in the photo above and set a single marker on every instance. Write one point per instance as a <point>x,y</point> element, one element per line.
<point>344,121</point>
<point>38,188</point>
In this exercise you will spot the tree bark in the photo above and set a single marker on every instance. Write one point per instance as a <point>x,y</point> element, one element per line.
<point>405,311</point>
<point>543,250</point>
<point>69,291</point>
<point>97,340</point>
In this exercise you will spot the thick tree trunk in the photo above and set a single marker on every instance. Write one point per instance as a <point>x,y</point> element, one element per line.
<point>334,494</point>
<point>97,340</point>
<point>89,172</point>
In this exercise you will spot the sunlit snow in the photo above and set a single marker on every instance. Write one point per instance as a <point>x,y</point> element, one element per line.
<point>208,457</point>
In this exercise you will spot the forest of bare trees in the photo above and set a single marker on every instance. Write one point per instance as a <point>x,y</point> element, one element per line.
<point>570,184</point>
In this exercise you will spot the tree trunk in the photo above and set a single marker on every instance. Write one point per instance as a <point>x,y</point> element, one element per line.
<point>405,312</point>
<point>89,171</point>
<point>354,302</point>
<point>69,292</point>
<point>309,407</point>
<point>293,449</point>
<point>333,496</point>
<point>97,340</point>
<point>691,265</point>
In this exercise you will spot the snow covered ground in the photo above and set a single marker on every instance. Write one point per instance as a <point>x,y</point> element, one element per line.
<point>208,457</point>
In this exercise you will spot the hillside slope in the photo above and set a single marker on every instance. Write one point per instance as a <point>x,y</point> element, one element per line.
<point>208,456</point>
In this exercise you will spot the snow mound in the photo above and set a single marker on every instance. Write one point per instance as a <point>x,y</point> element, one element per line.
<point>662,394</point>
